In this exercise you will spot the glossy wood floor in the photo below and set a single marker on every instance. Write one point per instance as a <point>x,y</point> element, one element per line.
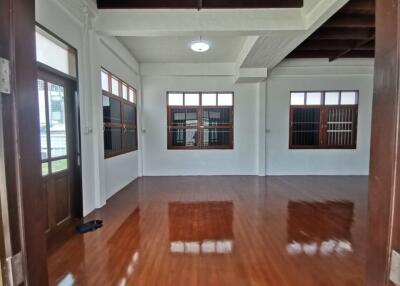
<point>239,230</point>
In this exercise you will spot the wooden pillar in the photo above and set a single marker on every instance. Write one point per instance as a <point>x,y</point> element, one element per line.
<point>385,148</point>
<point>22,139</point>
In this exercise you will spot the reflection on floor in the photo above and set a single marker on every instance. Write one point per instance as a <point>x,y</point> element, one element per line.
<point>210,225</point>
<point>237,230</point>
<point>331,236</point>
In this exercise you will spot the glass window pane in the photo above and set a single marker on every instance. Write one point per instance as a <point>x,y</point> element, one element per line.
<point>183,137</point>
<point>130,139</point>
<point>216,116</point>
<point>192,99</point>
<point>314,98</point>
<point>124,91</point>
<point>112,139</point>
<point>45,169</point>
<point>209,99</point>
<point>58,133</point>
<point>306,126</point>
<point>184,117</point>
<point>225,99</point>
<point>48,52</point>
<point>129,114</point>
<point>132,95</point>
<point>297,98</point>
<point>332,98</point>
<point>42,119</point>
<point>111,110</point>
<point>348,97</point>
<point>59,165</point>
<point>104,81</point>
<point>216,136</point>
<point>114,86</point>
<point>175,99</point>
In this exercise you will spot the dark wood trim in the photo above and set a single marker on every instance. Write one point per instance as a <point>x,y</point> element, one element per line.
<point>384,180</point>
<point>22,142</point>
<point>194,4</point>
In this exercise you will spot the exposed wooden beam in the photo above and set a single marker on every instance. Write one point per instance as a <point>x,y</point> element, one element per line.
<point>315,45</point>
<point>351,21</point>
<point>356,47</point>
<point>359,7</point>
<point>330,54</point>
<point>193,4</point>
<point>342,34</point>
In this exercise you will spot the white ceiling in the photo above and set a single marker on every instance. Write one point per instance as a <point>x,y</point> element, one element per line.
<point>170,49</point>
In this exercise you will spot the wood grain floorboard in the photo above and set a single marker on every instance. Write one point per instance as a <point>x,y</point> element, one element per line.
<point>223,230</point>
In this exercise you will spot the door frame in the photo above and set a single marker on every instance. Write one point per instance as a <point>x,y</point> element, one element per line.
<point>73,141</point>
<point>384,181</point>
<point>22,140</point>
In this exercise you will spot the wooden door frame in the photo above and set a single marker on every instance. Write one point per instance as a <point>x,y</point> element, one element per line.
<point>22,140</point>
<point>384,182</point>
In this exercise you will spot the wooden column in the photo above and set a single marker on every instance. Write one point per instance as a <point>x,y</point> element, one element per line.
<point>22,139</point>
<point>385,169</point>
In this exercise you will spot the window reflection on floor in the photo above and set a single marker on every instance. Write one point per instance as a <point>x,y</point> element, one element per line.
<point>319,228</point>
<point>68,280</point>
<point>201,227</point>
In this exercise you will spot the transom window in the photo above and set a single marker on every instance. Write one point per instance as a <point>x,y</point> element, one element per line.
<point>200,120</point>
<point>119,115</point>
<point>323,119</point>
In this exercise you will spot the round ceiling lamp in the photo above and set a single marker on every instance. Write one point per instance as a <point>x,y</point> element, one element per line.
<point>200,46</point>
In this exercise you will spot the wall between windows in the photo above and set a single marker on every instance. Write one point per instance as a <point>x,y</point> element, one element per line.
<point>123,169</point>
<point>317,75</point>
<point>100,178</point>
<point>158,160</point>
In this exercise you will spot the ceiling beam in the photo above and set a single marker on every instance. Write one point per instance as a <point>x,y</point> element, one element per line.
<point>330,54</point>
<point>193,4</point>
<point>359,7</point>
<point>351,21</point>
<point>342,34</point>
<point>356,47</point>
<point>313,45</point>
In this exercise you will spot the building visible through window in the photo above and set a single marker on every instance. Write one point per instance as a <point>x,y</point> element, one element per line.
<point>323,119</point>
<point>200,120</point>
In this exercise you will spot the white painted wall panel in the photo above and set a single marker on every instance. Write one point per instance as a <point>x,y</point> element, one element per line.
<point>160,161</point>
<point>283,161</point>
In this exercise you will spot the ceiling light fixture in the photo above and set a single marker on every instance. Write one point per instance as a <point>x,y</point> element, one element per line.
<point>200,46</point>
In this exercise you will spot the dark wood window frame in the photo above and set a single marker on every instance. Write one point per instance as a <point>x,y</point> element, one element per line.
<point>200,127</point>
<point>347,111</point>
<point>121,124</point>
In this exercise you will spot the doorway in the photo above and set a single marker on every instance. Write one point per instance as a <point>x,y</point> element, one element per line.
<point>60,156</point>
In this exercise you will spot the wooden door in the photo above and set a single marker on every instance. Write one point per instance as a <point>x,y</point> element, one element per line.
<point>384,192</point>
<point>59,149</point>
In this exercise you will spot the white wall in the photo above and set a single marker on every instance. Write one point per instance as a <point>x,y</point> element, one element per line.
<point>69,21</point>
<point>123,169</point>
<point>158,160</point>
<point>317,75</point>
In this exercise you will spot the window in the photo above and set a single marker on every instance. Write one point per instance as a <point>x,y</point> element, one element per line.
<point>321,120</point>
<point>53,135</point>
<point>54,53</point>
<point>200,120</point>
<point>119,115</point>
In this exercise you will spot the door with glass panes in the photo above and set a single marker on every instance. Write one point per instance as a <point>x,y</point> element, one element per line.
<point>59,148</point>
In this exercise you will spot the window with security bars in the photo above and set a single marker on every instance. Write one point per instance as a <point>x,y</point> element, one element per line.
<point>119,115</point>
<point>200,120</point>
<point>323,120</point>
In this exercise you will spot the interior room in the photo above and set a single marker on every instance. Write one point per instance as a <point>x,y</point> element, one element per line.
<point>206,143</point>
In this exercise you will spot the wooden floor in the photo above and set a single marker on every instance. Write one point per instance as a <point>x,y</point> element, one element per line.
<point>239,230</point>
